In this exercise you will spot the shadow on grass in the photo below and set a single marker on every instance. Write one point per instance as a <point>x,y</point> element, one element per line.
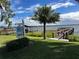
<point>44,50</point>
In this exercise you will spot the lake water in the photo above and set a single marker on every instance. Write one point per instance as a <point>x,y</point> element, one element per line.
<point>54,27</point>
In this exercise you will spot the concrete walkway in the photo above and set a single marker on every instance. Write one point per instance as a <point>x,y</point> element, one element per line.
<point>66,40</point>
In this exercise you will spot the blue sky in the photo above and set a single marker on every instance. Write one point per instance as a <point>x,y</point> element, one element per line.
<point>24,9</point>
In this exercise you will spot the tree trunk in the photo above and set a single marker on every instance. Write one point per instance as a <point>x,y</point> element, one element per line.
<point>44,30</point>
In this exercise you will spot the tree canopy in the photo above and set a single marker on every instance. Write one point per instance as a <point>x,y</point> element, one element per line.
<point>45,15</point>
<point>6,12</point>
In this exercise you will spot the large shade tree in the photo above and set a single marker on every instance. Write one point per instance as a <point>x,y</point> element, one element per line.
<point>45,15</point>
<point>6,12</point>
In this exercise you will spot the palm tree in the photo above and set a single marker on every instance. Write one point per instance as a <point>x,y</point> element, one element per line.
<point>6,11</point>
<point>45,15</point>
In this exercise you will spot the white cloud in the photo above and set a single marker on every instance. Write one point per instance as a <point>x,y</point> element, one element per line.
<point>30,22</point>
<point>54,6</point>
<point>67,18</point>
<point>19,8</point>
<point>59,5</point>
<point>2,23</point>
<point>32,8</point>
<point>16,12</point>
<point>20,11</point>
<point>71,16</point>
<point>17,1</point>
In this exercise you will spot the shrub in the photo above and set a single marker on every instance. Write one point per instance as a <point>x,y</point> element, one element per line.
<point>73,38</point>
<point>40,34</point>
<point>50,35</point>
<point>17,44</point>
<point>35,34</point>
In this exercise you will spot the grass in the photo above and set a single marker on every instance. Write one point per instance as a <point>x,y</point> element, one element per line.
<point>73,38</point>
<point>42,49</point>
<point>6,38</point>
<point>40,34</point>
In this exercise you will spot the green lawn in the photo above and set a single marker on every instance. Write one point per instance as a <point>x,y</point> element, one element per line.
<point>42,49</point>
<point>6,38</point>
